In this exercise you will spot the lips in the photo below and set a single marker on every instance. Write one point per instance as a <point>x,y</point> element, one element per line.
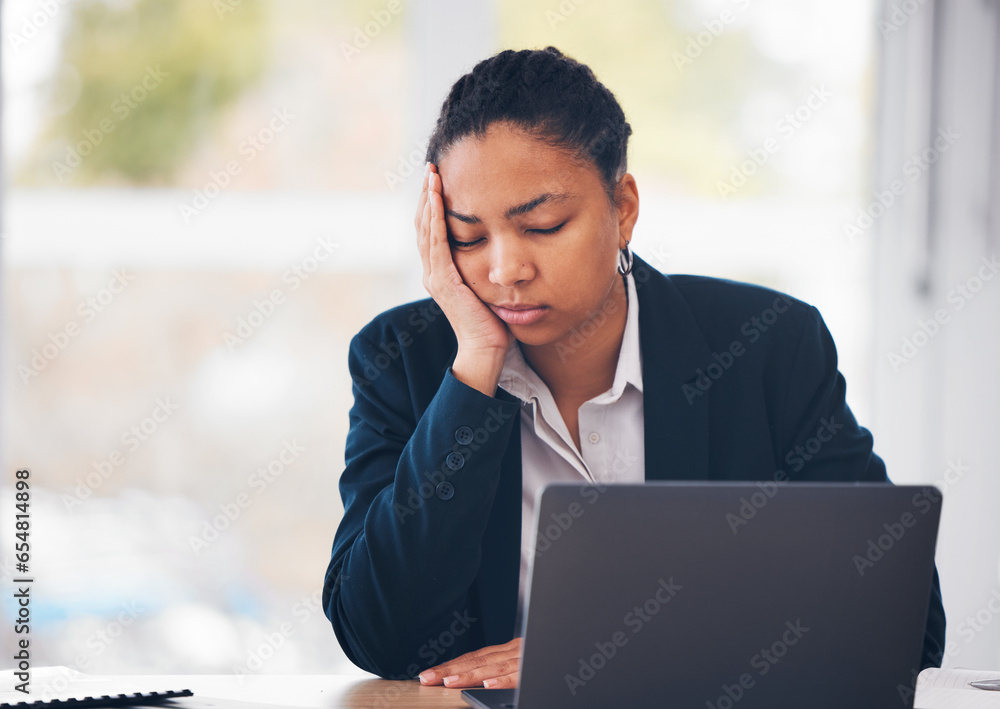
<point>516,306</point>
<point>519,313</point>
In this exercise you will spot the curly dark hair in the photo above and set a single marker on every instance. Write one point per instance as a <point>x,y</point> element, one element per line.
<point>550,96</point>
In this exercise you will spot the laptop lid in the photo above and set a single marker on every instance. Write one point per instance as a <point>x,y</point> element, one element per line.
<point>719,594</point>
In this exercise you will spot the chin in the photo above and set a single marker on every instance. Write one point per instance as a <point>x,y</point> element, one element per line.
<point>543,338</point>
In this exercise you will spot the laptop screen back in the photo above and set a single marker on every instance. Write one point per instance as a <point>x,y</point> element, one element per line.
<point>723,595</point>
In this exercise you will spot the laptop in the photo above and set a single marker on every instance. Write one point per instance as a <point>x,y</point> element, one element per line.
<point>715,595</point>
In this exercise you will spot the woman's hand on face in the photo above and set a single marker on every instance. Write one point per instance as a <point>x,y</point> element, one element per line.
<point>477,328</point>
<point>494,667</point>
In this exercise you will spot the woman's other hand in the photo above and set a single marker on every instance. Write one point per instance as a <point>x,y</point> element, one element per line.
<point>494,667</point>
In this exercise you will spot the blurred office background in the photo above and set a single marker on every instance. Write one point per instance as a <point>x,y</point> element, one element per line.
<point>204,201</point>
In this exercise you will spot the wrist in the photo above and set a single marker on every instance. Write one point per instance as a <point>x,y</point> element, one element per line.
<point>480,369</point>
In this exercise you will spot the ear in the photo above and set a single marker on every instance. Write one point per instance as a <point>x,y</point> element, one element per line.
<point>626,207</point>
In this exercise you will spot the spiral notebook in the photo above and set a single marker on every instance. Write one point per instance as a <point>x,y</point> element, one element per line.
<point>59,687</point>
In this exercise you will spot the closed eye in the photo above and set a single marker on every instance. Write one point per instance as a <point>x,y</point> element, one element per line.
<point>467,244</point>
<point>463,244</point>
<point>553,230</point>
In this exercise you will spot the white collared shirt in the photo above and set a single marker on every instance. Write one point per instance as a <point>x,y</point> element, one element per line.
<point>610,425</point>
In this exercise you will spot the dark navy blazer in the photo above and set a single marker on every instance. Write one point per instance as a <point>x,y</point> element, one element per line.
<point>426,559</point>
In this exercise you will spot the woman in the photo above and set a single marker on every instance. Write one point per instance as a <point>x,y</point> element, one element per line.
<point>548,352</point>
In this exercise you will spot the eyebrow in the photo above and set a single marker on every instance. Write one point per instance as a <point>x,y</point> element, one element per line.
<point>518,210</point>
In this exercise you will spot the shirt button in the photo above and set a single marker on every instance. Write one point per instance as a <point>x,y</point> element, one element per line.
<point>595,437</point>
<point>445,490</point>
<point>455,460</point>
<point>464,435</point>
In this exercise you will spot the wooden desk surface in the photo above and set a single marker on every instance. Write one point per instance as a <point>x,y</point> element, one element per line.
<point>309,691</point>
<point>330,691</point>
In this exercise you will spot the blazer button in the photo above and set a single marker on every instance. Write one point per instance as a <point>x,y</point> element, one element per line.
<point>464,435</point>
<point>445,490</point>
<point>455,460</point>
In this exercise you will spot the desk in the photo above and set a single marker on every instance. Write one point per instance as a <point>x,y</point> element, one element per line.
<point>331,692</point>
<point>309,691</point>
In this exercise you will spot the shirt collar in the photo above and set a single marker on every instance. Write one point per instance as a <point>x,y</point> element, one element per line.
<point>518,378</point>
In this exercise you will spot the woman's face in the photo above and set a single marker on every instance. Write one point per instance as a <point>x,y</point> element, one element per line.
<point>528,225</point>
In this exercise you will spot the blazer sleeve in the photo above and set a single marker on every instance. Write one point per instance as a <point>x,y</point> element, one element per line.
<point>820,440</point>
<point>417,495</point>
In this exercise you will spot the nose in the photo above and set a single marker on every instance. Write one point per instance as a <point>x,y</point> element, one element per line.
<point>510,261</point>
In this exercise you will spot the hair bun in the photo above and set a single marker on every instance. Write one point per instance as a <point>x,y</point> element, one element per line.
<point>545,92</point>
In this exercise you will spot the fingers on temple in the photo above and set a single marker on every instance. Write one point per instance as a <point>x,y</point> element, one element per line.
<point>420,203</point>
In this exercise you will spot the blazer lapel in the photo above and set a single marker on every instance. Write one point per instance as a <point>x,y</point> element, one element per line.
<point>673,348</point>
